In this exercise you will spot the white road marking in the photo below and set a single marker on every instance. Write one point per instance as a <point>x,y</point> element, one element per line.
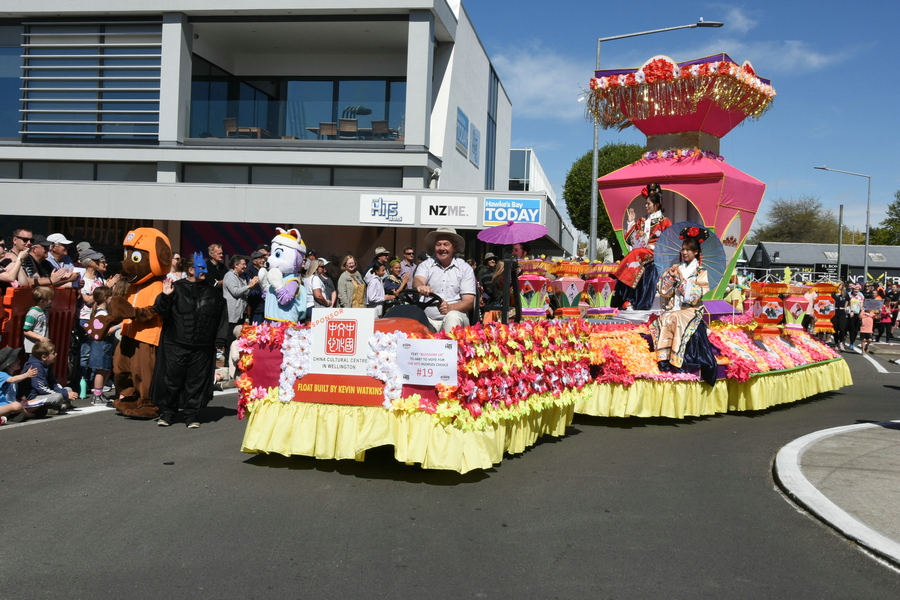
<point>875,362</point>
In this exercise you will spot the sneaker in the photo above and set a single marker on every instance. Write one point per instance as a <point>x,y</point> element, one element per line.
<point>98,401</point>
<point>220,355</point>
<point>163,423</point>
<point>194,425</point>
<point>2,420</point>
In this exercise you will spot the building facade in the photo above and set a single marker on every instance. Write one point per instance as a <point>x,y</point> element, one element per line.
<point>363,123</point>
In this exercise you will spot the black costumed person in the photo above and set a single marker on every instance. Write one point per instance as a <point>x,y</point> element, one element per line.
<point>191,310</point>
<point>680,338</point>
<point>636,277</point>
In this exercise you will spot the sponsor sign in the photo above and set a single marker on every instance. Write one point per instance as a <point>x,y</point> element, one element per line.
<point>475,148</point>
<point>340,340</point>
<point>427,362</point>
<point>387,209</point>
<point>339,389</point>
<point>498,211</point>
<point>459,211</point>
<point>462,132</point>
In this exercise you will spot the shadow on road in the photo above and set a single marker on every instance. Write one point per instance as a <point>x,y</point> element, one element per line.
<point>884,424</point>
<point>379,464</point>
<point>635,422</point>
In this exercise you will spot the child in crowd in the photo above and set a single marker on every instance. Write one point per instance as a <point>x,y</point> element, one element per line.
<point>101,355</point>
<point>36,328</point>
<point>865,330</point>
<point>375,289</point>
<point>10,362</point>
<point>44,385</point>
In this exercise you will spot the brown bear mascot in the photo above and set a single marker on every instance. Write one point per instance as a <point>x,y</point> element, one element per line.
<point>148,258</point>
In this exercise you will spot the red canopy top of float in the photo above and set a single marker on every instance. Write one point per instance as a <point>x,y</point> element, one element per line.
<point>712,94</point>
<point>715,188</point>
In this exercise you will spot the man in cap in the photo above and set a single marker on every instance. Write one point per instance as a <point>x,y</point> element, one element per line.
<point>448,277</point>
<point>40,271</point>
<point>58,256</point>
<point>383,257</point>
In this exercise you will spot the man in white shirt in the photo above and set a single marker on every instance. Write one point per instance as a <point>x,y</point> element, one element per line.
<point>450,278</point>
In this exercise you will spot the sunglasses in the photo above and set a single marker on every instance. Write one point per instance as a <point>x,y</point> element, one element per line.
<point>24,239</point>
<point>409,253</point>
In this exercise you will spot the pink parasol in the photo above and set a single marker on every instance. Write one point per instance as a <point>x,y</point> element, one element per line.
<point>512,233</point>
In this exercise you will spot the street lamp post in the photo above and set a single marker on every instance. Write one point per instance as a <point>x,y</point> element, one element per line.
<point>868,207</point>
<point>592,240</point>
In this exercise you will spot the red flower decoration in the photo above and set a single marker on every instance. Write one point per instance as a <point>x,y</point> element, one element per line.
<point>694,231</point>
<point>645,192</point>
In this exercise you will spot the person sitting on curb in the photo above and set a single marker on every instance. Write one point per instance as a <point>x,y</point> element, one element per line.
<point>44,385</point>
<point>10,362</point>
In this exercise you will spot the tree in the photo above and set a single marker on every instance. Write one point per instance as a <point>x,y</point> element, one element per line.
<point>800,220</point>
<point>889,232</point>
<point>577,187</point>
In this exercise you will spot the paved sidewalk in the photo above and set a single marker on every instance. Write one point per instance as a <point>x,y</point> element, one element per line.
<point>849,477</point>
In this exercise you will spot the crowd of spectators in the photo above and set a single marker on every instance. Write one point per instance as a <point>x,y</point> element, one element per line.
<point>42,263</point>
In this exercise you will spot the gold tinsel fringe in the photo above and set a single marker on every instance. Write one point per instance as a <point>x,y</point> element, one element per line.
<point>618,107</point>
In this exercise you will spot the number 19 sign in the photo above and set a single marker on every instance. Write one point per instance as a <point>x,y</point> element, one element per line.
<point>427,362</point>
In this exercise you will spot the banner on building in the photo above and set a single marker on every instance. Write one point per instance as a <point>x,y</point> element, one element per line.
<point>384,209</point>
<point>462,132</point>
<point>498,211</point>
<point>453,211</point>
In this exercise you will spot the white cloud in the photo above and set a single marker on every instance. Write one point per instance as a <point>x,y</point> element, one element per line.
<point>736,19</point>
<point>541,83</point>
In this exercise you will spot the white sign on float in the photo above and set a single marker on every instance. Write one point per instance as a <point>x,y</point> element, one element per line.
<point>498,211</point>
<point>340,340</point>
<point>454,211</point>
<point>387,209</point>
<point>427,362</point>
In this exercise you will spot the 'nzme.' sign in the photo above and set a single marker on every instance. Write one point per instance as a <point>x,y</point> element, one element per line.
<point>455,211</point>
<point>498,211</point>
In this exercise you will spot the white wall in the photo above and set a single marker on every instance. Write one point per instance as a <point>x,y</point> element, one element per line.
<point>468,74</point>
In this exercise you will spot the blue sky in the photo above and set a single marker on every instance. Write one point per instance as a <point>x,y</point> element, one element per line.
<point>833,66</point>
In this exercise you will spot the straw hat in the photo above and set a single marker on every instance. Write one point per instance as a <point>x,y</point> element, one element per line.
<point>445,233</point>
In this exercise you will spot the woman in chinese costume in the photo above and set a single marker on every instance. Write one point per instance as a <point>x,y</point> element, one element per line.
<point>636,275</point>
<point>679,334</point>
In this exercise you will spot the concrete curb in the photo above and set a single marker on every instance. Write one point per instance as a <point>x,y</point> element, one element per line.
<point>790,478</point>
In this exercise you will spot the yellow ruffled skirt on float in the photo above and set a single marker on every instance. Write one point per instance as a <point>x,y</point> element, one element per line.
<point>647,398</point>
<point>331,431</point>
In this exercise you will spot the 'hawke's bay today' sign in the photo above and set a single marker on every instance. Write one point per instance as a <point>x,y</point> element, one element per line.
<point>498,211</point>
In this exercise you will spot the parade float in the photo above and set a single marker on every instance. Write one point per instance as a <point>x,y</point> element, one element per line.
<point>460,400</point>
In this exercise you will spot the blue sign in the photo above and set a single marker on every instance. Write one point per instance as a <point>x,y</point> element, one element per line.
<point>498,211</point>
<point>475,153</point>
<point>462,132</point>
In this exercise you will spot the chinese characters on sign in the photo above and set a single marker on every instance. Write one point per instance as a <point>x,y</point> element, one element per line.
<point>340,341</point>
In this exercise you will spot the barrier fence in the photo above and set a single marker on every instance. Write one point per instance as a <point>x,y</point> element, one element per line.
<point>60,321</point>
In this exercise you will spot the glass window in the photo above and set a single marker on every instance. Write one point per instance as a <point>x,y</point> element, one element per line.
<point>266,175</point>
<point>234,174</point>
<point>10,98</point>
<point>309,103</point>
<point>9,169</point>
<point>363,100</point>
<point>126,171</point>
<point>368,177</point>
<point>71,171</point>
<point>397,108</point>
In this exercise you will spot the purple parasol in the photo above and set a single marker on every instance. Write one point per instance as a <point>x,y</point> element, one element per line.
<point>512,233</point>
